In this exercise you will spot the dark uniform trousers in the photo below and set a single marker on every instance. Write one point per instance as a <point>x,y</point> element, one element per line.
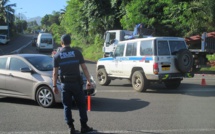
<point>75,90</point>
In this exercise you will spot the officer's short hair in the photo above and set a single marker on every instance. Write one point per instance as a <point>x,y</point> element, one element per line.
<point>66,39</point>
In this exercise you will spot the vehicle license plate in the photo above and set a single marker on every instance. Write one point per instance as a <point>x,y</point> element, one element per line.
<point>165,68</point>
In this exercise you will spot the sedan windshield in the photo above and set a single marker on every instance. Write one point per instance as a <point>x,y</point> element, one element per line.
<point>42,63</point>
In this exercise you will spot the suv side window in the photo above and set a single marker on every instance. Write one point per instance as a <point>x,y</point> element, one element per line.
<point>131,49</point>
<point>146,48</point>
<point>3,63</point>
<point>16,64</point>
<point>119,50</point>
<point>163,48</point>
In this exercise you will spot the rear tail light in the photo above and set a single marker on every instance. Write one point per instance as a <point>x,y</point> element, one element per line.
<point>155,68</point>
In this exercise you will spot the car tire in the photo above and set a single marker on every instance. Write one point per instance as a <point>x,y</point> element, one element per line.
<point>102,77</point>
<point>139,81</point>
<point>45,97</point>
<point>172,84</point>
<point>184,60</point>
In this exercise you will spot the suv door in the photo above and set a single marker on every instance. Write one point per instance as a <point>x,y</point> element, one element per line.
<point>164,56</point>
<point>130,61</point>
<point>181,58</point>
<point>116,66</point>
<point>146,53</point>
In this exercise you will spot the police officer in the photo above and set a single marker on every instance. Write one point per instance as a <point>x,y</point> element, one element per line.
<point>68,60</point>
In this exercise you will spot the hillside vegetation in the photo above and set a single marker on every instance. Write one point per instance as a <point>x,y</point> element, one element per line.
<point>87,21</point>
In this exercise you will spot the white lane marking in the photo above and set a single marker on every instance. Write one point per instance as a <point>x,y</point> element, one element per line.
<point>18,50</point>
<point>161,90</point>
<point>115,91</point>
<point>118,131</point>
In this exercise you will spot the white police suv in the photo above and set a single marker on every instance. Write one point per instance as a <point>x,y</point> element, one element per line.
<point>146,60</point>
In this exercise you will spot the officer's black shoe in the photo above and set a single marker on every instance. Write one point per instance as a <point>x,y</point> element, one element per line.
<point>85,129</point>
<point>72,129</point>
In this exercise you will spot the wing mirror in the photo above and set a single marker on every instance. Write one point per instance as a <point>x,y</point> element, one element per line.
<point>26,70</point>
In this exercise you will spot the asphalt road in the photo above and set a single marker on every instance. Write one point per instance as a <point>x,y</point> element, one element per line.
<point>16,44</point>
<point>118,109</point>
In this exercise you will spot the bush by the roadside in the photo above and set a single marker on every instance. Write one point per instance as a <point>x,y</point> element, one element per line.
<point>94,52</point>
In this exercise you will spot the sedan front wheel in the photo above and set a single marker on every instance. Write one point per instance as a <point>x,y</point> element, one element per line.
<point>45,97</point>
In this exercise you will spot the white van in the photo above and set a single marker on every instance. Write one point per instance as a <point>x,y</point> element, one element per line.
<point>45,42</point>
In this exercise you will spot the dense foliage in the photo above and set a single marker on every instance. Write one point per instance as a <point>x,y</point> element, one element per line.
<point>87,20</point>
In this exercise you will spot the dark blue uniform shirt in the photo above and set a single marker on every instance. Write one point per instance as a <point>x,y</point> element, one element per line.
<point>68,59</point>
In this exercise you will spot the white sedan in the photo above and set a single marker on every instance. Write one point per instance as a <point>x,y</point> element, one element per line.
<point>29,76</point>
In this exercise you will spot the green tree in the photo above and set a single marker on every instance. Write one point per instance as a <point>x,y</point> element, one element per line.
<point>50,19</point>
<point>86,18</point>
<point>21,25</point>
<point>189,18</point>
<point>7,15</point>
<point>57,31</point>
<point>148,12</point>
<point>54,18</point>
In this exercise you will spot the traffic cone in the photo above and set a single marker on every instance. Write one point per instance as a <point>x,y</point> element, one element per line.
<point>88,99</point>
<point>203,81</point>
<point>88,103</point>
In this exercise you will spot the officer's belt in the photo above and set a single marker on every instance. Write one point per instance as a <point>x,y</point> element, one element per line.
<point>69,78</point>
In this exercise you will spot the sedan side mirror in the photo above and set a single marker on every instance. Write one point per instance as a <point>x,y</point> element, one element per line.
<point>26,70</point>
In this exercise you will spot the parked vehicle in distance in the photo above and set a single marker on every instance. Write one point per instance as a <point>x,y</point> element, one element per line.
<point>4,39</point>
<point>45,41</point>
<point>29,76</point>
<point>113,37</point>
<point>34,41</point>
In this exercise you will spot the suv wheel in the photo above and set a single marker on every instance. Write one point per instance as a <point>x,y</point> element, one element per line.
<point>139,82</point>
<point>102,77</point>
<point>45,97</point>
<point>184,61</point>
<point>172,84</point>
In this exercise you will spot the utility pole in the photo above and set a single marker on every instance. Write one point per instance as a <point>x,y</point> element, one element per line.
<point>7,16</point>
<point>22,21</point>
